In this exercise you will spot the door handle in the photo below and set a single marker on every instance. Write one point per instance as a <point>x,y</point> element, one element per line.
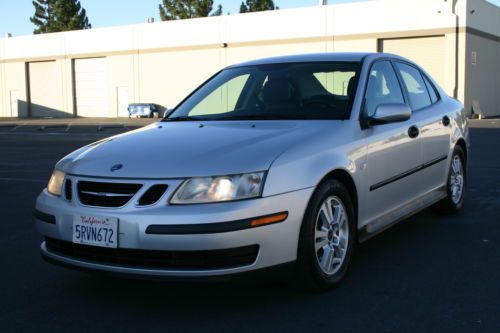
<point>413,132</point>
<point>446,120</point>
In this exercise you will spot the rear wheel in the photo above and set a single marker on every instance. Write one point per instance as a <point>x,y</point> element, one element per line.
<point>327,237</point>
<point>455,186</point>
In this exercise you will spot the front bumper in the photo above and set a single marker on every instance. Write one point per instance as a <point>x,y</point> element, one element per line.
<point>276,243</point>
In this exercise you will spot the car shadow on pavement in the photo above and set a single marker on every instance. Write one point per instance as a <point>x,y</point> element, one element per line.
<point>387,251</point>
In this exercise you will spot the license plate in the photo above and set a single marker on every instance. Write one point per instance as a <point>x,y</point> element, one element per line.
<point>95,230</point>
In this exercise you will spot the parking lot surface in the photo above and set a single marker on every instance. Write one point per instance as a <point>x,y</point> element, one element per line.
<point>427,274</point>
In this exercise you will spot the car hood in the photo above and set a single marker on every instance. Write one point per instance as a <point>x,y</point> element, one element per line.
<point>190,149</point>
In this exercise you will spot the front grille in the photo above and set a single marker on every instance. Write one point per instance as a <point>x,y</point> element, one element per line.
<point>208,259</point>
<point>152,195</point>
<point>106,194</point>
<point>68,190</point>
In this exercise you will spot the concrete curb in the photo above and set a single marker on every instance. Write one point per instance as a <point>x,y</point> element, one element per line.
<point>70,125</point>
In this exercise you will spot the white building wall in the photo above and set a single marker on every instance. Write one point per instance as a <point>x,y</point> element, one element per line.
<point>162,62</point>
<point>2,84</point>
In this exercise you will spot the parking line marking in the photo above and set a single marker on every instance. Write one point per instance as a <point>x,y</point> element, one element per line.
<point>68,134</point>
<point>18,126</point>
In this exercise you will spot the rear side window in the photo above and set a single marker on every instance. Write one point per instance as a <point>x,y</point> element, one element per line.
<point>432,90</point>
<point>415,86</point>
<point>383,87</point>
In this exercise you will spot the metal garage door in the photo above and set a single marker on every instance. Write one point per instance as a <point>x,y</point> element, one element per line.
<point>45,90</point>
<point>428,52</point>
<point>91,87</point>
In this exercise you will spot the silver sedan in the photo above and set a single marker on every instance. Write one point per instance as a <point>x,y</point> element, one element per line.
<point>282,161</point>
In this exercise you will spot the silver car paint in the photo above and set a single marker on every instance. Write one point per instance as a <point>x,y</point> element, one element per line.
<point>173,149</point>
<point>298,155</point>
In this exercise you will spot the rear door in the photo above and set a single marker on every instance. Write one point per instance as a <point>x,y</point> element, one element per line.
<point>392,154</point>
<point>434,124</point>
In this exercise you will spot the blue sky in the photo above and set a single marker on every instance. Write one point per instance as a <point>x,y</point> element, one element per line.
<point>14,14</point>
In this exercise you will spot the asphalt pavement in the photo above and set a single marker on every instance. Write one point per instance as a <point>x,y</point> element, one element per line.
<point>427,274</point>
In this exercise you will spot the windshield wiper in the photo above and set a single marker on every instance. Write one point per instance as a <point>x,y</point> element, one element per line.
<point>183,118</point>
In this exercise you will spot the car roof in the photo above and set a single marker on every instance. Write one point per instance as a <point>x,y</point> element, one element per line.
<point>316,57</point>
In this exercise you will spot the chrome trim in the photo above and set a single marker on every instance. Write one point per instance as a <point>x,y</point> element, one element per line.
<point>107,194</point>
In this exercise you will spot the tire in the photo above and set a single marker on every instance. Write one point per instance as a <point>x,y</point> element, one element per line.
<point>455,185</point>
<point>313,269</point>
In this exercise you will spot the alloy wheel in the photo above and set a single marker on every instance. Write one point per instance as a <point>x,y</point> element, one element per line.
<point>331,235</point>
<point>456,179</point>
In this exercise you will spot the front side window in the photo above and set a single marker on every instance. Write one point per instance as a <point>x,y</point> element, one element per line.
<point>322,90</point>
<point>415,86</point>
<point>382,88</point>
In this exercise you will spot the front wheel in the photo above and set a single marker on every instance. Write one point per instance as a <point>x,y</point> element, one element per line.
<point>455,185</point>
<point>327,237</point>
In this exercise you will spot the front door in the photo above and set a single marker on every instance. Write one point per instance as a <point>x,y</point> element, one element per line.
<point>393,151</point>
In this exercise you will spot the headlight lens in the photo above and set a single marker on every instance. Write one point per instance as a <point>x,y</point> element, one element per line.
<point>56,182</point>
<point>219,189</point>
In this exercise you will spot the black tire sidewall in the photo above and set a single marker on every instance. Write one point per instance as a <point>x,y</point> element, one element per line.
<point>306,259</point>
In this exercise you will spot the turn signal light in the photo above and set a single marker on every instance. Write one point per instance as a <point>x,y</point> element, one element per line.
<point>280,217</point>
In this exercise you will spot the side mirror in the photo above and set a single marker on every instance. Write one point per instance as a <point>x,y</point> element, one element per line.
<point>390,113</point>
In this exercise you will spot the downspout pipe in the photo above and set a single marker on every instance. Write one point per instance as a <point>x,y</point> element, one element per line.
<point>457,32</point>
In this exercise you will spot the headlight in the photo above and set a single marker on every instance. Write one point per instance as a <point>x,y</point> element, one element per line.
<point>219,189</point>
<point>56,182</point>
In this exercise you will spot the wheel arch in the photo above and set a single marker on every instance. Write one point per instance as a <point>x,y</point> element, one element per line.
<point>461,143</point>
<point>346,179</point>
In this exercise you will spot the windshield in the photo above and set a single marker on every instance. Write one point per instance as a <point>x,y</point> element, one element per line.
<point>322,90</point>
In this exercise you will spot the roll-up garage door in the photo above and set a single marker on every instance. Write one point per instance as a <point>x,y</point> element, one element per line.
<point>428,52</point>
<point>91,87</point>
<point>45,90</point>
